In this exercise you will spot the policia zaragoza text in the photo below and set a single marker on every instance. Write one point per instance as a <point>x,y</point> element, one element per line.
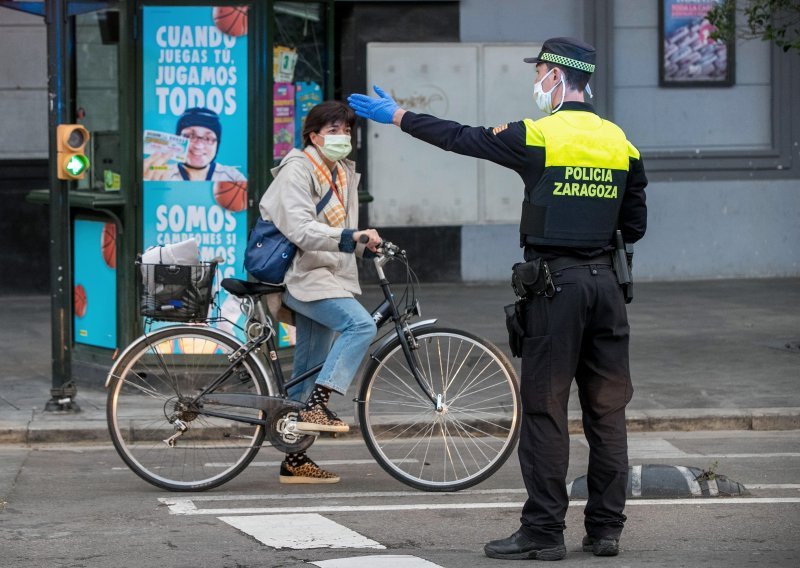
<point>586,189</point>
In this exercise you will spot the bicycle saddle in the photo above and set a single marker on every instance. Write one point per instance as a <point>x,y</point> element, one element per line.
<point>245,288</point>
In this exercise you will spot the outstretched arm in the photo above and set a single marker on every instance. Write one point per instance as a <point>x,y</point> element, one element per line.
<point>504,145</point>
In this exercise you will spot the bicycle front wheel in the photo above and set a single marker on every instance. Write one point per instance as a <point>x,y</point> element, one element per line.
<point>157,429</point>
<point>460,438</point>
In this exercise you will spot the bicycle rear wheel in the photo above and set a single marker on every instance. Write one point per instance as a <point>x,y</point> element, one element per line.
<point>157,430</point>
<point>471,434</point>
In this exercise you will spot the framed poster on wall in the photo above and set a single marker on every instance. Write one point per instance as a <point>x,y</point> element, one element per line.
<point>688,57</point>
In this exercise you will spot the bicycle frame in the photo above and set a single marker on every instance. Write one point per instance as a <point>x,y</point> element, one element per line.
<point>382,314</point>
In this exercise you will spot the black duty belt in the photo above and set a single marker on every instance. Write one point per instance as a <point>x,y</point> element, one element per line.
<point>564,262</point>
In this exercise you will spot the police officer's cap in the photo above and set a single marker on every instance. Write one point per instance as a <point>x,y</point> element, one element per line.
<point>567,52</point>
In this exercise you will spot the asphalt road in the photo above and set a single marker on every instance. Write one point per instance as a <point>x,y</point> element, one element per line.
<point>78,506</point>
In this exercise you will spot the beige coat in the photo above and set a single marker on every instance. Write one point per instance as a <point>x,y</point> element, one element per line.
<point>319,269</point>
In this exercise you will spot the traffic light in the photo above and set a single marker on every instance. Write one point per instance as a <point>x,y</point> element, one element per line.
<point>72,162</point>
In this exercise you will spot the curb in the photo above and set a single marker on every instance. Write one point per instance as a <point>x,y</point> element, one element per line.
<point>690,419</point>
<point>68,428</point>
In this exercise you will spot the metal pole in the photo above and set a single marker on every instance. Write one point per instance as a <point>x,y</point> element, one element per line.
<point>63,391</point>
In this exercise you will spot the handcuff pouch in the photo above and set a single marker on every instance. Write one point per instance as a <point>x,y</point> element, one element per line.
<point>531,278</point>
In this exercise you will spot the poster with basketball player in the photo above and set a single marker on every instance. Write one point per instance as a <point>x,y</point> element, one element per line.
<point>195,154</point>
<point>195,93</point>
<point>94,304</point>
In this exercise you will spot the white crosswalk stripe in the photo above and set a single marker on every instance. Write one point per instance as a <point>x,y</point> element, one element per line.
<point>299,531</point>
<point>639,448</point>
<point>384,561</point>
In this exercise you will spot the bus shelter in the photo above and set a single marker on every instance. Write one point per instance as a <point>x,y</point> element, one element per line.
<point>186,106</point>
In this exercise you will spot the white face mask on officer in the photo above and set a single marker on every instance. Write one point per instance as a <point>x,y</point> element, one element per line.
<point>545,100</point>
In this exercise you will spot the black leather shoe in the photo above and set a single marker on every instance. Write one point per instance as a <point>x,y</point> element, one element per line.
<point>520,547</point>
<point>605,546</point>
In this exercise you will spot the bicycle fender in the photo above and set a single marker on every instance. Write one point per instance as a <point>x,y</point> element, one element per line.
<point>393,336</point>
<point>143,338</point>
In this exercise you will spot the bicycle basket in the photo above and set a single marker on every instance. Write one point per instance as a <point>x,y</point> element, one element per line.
<point>172,292</point>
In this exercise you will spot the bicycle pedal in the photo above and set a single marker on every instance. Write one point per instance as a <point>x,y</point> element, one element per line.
<point>290,427</point>
<point>308,433</point>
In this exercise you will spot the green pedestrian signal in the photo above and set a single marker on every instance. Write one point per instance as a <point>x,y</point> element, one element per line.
<point>77,164</point>
<point>71,140</point>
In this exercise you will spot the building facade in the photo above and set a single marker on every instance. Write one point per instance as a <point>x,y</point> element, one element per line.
<point>723,160</point>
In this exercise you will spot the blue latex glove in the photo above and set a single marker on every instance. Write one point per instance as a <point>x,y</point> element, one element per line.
<point>380,110</point>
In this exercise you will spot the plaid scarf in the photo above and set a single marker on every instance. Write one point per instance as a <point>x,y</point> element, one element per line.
<point>334,211</point>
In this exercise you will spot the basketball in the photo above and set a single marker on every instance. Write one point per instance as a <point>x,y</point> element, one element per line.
<point>108,244</point>
<point>80,302</point>
<point>231,20</point>
<point>232,195</point>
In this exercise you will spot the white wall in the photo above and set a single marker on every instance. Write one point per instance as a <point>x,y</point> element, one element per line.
<point>519,21</point>
<point>721,230</point>
<point>413,183</point>
<point>699,229</point>
<point>662,119</point>
<point>732,229</point>
<point>23,86</point>
<point>417,184</point>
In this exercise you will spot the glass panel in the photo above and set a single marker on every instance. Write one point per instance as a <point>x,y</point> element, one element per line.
<point>96,95</point>
<point>299,65</point>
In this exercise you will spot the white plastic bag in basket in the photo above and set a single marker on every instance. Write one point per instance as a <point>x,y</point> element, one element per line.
<point>183,253</point>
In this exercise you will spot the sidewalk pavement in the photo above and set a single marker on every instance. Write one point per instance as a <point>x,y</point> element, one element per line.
<point>707,355</point>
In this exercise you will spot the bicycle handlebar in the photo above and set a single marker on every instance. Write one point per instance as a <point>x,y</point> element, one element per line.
<point>385,247</point>
<point>386,252</point>
<point>390,249</point>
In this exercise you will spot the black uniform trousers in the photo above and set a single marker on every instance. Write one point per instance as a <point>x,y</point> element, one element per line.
<point>581,332</point>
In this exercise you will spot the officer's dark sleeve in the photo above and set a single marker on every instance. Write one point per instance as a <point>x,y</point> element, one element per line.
<point>503,145</point>
<point>633,213</point>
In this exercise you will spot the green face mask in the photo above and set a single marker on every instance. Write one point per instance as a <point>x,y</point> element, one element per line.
<point>336,146</point>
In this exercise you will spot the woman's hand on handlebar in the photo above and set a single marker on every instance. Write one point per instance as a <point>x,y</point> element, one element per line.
<point>370,237</point>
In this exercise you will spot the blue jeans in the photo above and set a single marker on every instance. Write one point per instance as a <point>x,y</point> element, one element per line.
<point>317,323</point>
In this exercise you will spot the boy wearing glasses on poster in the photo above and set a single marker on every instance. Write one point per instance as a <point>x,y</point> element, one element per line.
<point>175,160</point>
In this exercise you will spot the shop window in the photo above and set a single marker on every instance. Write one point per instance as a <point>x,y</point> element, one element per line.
<point>299,70</point>
<point>97,97</point>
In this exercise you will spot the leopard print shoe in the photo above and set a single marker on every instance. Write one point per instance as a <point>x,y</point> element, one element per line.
<point>319,418</point>
<point>307,472</point>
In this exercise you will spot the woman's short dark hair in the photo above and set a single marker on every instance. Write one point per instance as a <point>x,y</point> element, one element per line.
<point>326,113</point>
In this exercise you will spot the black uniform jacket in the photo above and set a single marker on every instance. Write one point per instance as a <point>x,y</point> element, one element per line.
<point>510,145</point>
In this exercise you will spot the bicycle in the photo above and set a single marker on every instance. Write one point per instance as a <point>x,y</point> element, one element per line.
<point>189,406</point>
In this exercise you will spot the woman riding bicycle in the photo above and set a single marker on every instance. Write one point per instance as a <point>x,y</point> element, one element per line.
<point>323,278</point>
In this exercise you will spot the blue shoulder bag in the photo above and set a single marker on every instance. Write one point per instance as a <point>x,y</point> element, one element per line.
<point>269,253</point>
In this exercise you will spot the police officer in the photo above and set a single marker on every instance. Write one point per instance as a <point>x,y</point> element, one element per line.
<point>583,181</point>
